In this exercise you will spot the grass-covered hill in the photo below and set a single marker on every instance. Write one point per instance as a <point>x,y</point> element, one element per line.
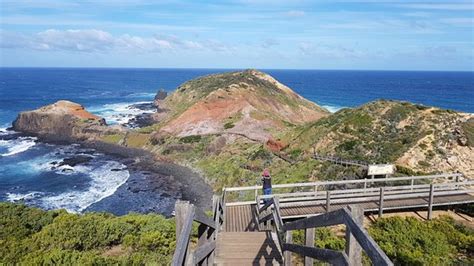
<point>230,126</point>
<point>418,139</point>
<point>31,236</point>
<point>248,102</point>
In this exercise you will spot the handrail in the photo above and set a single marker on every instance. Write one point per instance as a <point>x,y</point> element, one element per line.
<point>350,216</point>
<point>185,214</point>
<point>346,182</point>
<point>182,242</point>
<point>340,160</point>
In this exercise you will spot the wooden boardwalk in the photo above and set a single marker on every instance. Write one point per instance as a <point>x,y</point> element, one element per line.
<point>240,216</point>
<point>340,161</point>
<point>259,231</point>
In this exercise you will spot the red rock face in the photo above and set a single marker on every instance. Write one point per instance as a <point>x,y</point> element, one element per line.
<point>253,105</point>
<point>275,145</point>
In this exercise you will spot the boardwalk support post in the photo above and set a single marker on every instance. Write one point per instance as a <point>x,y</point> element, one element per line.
<point>430,202</point>
<point>309,242</point>
<point>287,254</point>
<point>382,191</point>
<point>328,200</point>
<point>353,249</point>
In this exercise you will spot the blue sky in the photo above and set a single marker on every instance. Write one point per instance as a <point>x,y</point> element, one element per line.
<point>296,34</point>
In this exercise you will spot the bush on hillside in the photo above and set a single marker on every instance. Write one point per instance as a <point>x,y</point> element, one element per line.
<point>31,236</point>
<point>408,241</point>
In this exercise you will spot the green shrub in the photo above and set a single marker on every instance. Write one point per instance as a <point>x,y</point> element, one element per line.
<point>31,236</point>
<point>228,125</point>
<point>468,128</point>
<point>408,241</point>
<point>295,154</point>
<point>347,145</point>
<point>191,139</point>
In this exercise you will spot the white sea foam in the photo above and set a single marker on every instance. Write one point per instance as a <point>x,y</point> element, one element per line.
<point>119,113</point>
<point>15,146</point>
<point>103,184</point>
<point>150,95</point>
<point>333,108</point>
<point>14,197</point>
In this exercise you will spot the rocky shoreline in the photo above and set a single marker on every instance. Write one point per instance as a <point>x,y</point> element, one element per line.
<point>153,185</point>
<point>150,174</point>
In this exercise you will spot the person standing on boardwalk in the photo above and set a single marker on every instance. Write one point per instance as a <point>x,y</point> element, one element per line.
<point>267,183</point>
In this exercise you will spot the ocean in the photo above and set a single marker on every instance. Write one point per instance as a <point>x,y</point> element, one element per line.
<point>30,170</point>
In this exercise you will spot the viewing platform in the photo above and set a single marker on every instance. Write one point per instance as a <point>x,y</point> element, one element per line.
<point>248,228</point>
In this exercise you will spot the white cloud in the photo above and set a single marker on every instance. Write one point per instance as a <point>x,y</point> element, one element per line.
<point>93,40</point>
<point>459,22</point>
<point>270,42</point>
<point>295,13</point>
<point>74,40</point>
<point>440,6</point>
<point>329,51</point>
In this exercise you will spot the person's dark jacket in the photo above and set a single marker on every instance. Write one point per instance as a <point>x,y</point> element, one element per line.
<point>267,182</point>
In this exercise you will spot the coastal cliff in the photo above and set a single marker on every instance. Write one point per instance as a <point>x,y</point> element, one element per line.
<point>61,121</point>
<point>230,126</point>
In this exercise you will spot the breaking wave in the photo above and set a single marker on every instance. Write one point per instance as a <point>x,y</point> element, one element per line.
<point>15,146</point>
<point>119,113</point>
<point>103,184</point>
<point>333,108</point>
<point>70,187</point>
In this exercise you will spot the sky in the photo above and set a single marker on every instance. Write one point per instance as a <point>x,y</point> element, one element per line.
<point>265,34</point>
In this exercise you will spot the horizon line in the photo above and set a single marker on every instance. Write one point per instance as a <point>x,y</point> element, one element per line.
<point>238,68</point>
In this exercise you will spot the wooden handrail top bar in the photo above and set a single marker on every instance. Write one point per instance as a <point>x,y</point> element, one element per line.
<point>308,202</point>
<point>342,182</point>
<point>354,192</point>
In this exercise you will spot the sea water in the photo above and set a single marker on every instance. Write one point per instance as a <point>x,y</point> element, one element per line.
<point>27,166</point>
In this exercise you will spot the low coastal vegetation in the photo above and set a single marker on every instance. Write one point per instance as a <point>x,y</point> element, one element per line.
<point>31,236</point>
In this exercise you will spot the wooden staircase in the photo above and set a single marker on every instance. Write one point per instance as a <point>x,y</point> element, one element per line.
<point>247,248</point>
<point>244,242</point>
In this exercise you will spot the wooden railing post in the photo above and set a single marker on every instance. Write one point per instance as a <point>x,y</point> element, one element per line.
<point>287,254</point>
<point>365,184</point>
<point>382,190</point>
<point>316,191</point>
<point>328,200</point>
<point>430,202</point>
<point>184,214</point>
<point>203,238</point>
<point>180,210</point>
<point>412,183</point>
<point>309,242</point>
<point>353,249</point>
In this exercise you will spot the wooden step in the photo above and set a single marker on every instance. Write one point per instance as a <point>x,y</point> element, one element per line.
<point>247,248</point>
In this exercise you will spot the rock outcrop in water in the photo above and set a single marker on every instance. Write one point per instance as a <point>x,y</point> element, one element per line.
<point>61,121</point>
